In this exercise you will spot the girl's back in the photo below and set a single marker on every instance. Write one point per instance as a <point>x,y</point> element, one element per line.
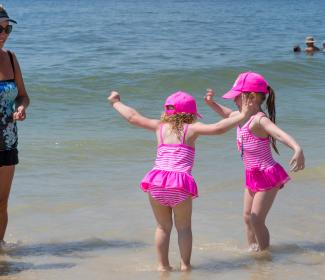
<point>173,154</point>
<point>169,137</point>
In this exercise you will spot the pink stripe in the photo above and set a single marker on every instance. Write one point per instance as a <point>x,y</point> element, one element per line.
<point>168,197</point>
<point>175,157</point>
<point>257,151</point>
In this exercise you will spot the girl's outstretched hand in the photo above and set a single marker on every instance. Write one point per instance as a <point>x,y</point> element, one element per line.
<point>247,104</point>
<point>208,98</point>
<point>114,97</point>
<point>298,161</point>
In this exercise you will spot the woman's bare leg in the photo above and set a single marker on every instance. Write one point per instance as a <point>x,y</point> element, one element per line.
<point>6,176</point>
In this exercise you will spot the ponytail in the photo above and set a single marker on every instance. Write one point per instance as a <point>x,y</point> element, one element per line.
<point>270,102</point>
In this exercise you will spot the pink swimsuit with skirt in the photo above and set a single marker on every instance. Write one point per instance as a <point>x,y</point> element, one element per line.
<point>262,171</point>
<point>170,181</point>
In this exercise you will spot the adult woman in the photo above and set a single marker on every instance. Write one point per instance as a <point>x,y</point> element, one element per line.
<point>13,103</point>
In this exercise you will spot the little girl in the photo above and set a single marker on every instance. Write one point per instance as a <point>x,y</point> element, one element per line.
<point>264,176</point>
<point>170,184</point>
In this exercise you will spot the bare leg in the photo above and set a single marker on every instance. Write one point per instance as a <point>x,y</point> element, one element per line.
<point>261,205</point>
<point>182,216</point>
<point>163,215</point>
<point>248,202</point>
<point>6,176</point>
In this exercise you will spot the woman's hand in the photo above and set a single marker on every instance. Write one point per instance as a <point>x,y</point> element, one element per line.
<point>19,114</point>
<point>208,98</point>
<point>114,97</point>
<point>297,162</point>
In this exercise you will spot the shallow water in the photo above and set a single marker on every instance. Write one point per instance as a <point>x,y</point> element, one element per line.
<point>76,210</point>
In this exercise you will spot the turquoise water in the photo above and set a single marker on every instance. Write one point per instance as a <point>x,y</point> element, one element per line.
<point>76,210</point>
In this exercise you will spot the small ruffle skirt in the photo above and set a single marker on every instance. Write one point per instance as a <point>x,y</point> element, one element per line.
<point>262,180</point>
<point>169,179</point>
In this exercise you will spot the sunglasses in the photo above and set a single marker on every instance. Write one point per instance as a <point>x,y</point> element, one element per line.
<point>6,29</point>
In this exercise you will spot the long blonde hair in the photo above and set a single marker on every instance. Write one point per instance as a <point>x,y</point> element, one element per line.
<point>177,122</point>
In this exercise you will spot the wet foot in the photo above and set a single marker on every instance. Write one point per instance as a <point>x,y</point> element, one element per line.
<point>7,246</point>
<point>186,268</point>
<point>162,268</point>
<point>253,247</point>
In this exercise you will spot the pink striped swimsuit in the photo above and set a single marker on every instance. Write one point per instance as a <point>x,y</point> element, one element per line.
<point>261,170</point>
<point>170,181</point>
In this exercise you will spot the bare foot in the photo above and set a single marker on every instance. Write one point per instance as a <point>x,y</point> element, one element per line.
<point>7,246</point>
<point>186,267</point>
<point>162,268</point>
<point>253,247</point>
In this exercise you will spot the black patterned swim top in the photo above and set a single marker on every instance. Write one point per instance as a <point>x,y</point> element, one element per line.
<point>8,127</point>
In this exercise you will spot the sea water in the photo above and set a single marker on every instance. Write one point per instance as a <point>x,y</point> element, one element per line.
<point>76,210</point>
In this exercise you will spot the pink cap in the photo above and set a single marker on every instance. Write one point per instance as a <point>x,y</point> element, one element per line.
<point>182,103</point>
<point>248,82</point>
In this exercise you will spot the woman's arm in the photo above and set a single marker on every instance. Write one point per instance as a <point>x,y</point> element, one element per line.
<point>22,100</point>
<point>297,161</point>
<point>130,114</point>
<point>223,111</point>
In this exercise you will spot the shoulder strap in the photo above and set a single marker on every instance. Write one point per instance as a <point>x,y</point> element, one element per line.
<point>260,115</point>
<point>246,124</point>
<point>160,133</point>
<point>12,62</point>
<point>185,131</point>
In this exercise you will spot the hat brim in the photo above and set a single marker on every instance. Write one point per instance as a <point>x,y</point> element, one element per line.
<point>8,19</point>
<point>173,112</point>
<point>231,94</point>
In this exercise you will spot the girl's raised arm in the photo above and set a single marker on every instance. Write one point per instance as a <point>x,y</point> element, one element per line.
<point>130,114</point>
<point>227,123</point>
<point>297,161</point>
<point>223,111</point>
<point>220,127</point>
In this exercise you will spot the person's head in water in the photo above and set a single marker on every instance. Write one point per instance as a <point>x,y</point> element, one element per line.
<point>310,41</point>
<point>296,49</point>
<point>310,44</point>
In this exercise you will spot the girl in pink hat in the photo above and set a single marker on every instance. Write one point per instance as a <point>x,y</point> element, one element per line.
<point>255,134</point>
<point>170,185</point>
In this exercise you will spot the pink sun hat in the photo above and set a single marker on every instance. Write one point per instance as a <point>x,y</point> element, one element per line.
<point>182,103</point>
<point>248,82</point>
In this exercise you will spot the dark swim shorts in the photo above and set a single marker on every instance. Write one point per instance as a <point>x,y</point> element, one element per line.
<point>9,157</point>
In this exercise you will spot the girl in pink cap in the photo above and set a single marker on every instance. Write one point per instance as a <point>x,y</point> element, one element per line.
<point>170,184</point>
<point>264,176</point>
